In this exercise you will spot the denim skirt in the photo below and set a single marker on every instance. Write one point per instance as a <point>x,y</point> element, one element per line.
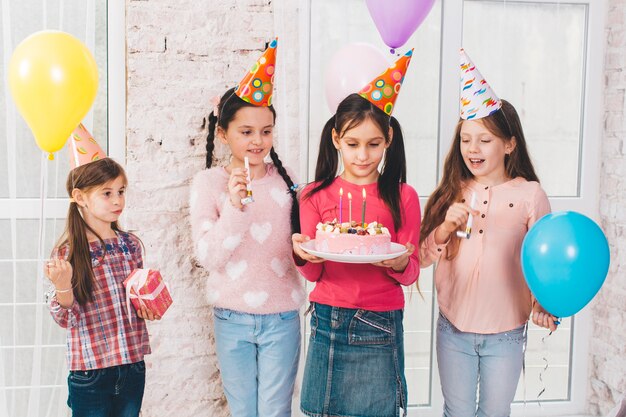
<point>354,364</point>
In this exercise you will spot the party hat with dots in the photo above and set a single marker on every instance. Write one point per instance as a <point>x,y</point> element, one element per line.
<point>83,147</point>
<point>258,84</point>
<point>477,99</point>
<point>383,90</point>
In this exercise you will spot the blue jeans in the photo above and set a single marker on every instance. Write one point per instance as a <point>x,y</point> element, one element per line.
<point>491,362</point>
<point>354,364</point>
<point>258,356</point>
<point>109,392</point>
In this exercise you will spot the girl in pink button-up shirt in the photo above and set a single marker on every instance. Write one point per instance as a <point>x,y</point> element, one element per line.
<point>483,298</point>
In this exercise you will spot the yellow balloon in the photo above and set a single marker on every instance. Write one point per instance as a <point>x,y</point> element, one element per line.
<point>53,79</point>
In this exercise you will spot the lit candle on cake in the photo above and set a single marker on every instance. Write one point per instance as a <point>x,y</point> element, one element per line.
<point>363,210</point>
<point>340,204</point>
<point>350,208</point>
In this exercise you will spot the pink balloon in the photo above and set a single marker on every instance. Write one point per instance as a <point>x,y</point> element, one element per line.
<point>350,69</point>
<point>397,20</point>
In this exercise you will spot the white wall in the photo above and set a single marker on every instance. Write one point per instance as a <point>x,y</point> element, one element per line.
<point>607,363</point>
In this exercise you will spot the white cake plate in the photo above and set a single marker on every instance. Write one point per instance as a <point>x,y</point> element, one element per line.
<point>395,250</point>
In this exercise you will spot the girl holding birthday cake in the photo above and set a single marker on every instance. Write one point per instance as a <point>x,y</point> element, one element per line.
<point>355,359</point>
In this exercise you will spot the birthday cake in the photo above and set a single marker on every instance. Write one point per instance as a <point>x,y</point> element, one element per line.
<point>352,238</point>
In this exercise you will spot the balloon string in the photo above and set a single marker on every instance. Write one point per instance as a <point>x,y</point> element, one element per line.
<point>524,346</point>
<point>35,391</point>
<point>545,368</point>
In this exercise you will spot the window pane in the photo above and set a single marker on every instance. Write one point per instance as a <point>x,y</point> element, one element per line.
<point>18,366</point>
<point>6,244</point>
<point>26,326</point>
<point>524,41</point>
<point>87,21</point>
<point>418,318</point>
<point>547,364</point>
<point>6,283</point>
<point>28,234</point>
<point>52,402</point>
<point>334,25</point>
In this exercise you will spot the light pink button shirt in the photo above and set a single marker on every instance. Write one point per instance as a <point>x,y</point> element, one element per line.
<point>482,289</point>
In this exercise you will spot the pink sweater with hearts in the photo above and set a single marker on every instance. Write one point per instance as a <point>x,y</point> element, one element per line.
<point>247,252</point>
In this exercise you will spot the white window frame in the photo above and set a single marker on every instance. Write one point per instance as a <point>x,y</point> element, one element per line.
<point>586,202</point>
<point>56,208</point>
<point>116,67</point>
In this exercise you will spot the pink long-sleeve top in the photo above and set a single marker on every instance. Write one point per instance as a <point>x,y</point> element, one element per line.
<point>363,286</point>
<point>247,252</point>
<point>482,289</point>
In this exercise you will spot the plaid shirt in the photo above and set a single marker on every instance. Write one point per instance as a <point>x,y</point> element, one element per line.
<point>99,334</point>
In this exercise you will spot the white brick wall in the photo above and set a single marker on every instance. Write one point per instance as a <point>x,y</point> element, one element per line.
<point>608,346</point>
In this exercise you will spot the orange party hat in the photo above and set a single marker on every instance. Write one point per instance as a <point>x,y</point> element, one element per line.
<point>383,90</point>
<point>83,148</point>
<point>258,84</point>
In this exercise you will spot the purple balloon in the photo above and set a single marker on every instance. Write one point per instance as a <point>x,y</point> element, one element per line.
<point>397,20</point>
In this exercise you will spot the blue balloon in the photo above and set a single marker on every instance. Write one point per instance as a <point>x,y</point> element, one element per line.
<point>565,259</point>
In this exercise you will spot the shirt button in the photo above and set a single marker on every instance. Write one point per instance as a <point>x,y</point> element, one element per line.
<point>480,231</point>
<point>485,202</point>
<point>482,215</point>
<point>510,204</point>
<point>486,188</point>
<point>438,249</point>
<point>463,201</point>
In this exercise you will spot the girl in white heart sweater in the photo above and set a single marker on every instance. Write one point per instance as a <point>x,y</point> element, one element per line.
<point>245,245</point>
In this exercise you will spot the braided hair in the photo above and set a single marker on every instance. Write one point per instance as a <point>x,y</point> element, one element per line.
<point>227,108</point>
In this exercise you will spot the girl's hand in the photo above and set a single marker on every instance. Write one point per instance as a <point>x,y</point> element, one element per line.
<point>456,216</point>
<point>398,264</point>
<point>296,240</point>
<point>542,318</point>
<point>59,271</point>
<point>146,314</point>
<point>237,186</point>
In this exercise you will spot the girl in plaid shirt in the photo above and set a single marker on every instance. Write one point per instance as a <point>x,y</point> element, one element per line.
<point>106,347</point>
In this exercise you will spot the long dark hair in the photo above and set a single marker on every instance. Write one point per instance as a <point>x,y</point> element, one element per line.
<point>229,105</point>
<point>85,178</point>
<point>505,124</point>
<point>351,112</point>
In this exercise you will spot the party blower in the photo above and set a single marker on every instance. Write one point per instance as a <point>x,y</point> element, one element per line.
<point>468,228</point>
<point>248,198</point>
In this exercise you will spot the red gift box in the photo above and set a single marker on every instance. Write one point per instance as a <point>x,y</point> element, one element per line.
<point>146,288</point>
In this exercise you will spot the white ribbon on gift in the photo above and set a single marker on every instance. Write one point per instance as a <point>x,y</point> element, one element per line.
<point>137,281</point>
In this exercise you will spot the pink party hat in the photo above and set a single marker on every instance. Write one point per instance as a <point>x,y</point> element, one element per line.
<point>477,99</point>
<point>383,90</point>
<point>257,86</point>
<point>83,147</point>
